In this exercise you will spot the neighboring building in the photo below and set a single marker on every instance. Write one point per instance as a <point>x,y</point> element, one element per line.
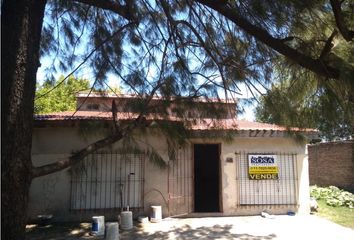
<point>227,166</point>
<point>332,163</point>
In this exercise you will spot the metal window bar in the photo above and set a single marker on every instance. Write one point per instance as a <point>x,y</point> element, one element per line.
<point>102,179</point>
<point>268,192</point>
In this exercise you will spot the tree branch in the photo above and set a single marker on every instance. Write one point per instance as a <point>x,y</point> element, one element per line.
<point>116,136</point>
<point>277,44</point>
<point>328,45</point>
<point>62,164</point>
<point>114,115</point>
<point>288,39</point>
<point>77,157</point>
<point>338,15</point>
<point>114,6</point>
<point>109,38</point>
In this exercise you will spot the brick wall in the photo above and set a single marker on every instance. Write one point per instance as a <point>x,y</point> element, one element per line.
<point>332,164</point>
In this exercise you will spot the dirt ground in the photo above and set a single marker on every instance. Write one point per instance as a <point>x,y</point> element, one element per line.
<point>59,231</point>
<point>250,228</point>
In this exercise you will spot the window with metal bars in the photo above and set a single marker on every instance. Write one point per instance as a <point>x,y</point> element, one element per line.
<point>282,191</point>
<point>108,180</point>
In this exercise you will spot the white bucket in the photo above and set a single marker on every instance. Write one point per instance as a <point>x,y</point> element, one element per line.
<point>156,214</point>
<point>112,231</point>
<point>126,220</point>
<point>143,219</point>
<point>98,225</point>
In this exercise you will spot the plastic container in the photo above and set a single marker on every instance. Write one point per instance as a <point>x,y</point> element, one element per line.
<point>156,214</point>
<point>291,213</point>
<point>98,225</point>
<point>143,219</point>
<point>112,231</point>
<point>126,220</point>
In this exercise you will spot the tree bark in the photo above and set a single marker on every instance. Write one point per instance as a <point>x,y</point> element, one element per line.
<point>84,152</point>
<point>114,6</point>
<point>338,16</point>
<point>75,158</point>
<point>20,37</point>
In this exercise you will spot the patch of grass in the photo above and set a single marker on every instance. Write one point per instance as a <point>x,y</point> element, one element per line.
<point>341,215</point>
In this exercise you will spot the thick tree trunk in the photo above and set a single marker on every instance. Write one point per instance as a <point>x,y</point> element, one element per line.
<point>20,38</point>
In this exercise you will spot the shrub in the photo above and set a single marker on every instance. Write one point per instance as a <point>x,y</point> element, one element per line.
<point>333,196</point>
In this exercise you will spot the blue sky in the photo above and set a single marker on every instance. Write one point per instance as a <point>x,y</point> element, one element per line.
<point>114,81</point>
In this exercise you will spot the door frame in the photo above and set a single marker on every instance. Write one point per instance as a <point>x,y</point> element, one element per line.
<point>221,209</point>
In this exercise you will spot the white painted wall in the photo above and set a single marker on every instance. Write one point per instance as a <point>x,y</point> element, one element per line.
<point>51,194</point>
<point>260,145</point>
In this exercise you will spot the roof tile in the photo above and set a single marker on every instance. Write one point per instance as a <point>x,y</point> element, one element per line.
<point>200,124</point>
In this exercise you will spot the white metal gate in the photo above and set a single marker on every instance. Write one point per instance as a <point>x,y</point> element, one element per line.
<point>180,179</point>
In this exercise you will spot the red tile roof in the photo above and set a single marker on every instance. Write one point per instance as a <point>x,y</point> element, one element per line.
<point>72,115</point>
<point>234,124</point>
<point>134,96</point>
<point>199,124</point>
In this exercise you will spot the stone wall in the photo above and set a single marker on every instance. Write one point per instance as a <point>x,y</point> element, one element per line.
<point>332,163</point>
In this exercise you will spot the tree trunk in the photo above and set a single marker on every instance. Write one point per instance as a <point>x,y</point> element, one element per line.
<point>20,37</point>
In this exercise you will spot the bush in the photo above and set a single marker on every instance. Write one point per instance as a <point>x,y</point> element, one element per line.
<point>333,196</point>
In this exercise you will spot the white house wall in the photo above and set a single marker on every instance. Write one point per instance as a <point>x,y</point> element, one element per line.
<point>51,194</point>
<point>261,145</point>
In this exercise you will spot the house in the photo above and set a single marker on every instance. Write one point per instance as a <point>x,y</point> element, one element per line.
<point>226,167</point>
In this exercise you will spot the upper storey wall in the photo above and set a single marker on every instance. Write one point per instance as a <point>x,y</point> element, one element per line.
<point>175,108</point>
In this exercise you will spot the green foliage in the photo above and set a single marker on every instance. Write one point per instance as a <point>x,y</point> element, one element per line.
<point>59,96</point>
<point>300,98</point>
<point>155,158</point>
<point>185,49</point>
<point>333,196</point>
<point>315,108</point>
<point>131,145</point>
<point>340,215</point>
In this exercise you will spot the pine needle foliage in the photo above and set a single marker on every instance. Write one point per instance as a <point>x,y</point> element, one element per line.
<point>301,98</point>
<point>195,49</point>
<point>182,51</point>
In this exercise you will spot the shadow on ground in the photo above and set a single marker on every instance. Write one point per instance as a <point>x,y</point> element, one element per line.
<point>59,231</point>
<point>71,231</point>
<point>186,232</point>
